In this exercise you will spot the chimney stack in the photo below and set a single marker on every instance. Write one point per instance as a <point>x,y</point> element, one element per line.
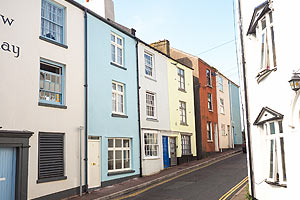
<point>162,45</point>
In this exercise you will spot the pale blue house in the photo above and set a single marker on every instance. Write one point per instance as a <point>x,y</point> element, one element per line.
<point>235,112</point>
<point>112,102</point>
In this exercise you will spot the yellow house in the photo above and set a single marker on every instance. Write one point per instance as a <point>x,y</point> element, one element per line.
<point>181,108</point>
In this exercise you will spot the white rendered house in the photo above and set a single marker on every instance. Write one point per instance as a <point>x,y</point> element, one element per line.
<point>269,54</point>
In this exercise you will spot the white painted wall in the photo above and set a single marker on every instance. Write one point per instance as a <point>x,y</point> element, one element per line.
<point>19,87</point>
<point>275,93</point>
<point>158,85</point>
<point>224,118</point>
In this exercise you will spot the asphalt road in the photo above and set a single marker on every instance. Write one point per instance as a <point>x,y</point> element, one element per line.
<point>209,183</point>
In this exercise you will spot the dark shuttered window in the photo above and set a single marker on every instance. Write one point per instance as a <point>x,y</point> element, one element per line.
<point>51,157</point>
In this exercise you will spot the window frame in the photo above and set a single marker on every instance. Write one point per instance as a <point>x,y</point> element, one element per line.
<point>182,110</point>
<point>221,88</point>
<point>181,79</point>
<point>268,60</point>
<point>62,82</point>
<point>115,45</point>
<point>62,25</point>
<point>209,101</point>
<point>153,145</point>
<point>209,131</point>
<point>223,130</point>
<point>116,92</point>
<point>148,93</point>
<point>152,67</point>
<point>222,106</point>
<point>122,149</point>
<point>208,78</point>
<point>276,151</point>
<point>186,148</point>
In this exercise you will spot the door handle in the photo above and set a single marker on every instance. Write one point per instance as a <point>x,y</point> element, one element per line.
<point>3,179</point>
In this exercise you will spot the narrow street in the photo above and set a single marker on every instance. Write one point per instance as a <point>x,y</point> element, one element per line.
<point>209,183</point>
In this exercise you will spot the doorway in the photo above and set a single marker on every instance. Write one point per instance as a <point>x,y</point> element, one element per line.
<point>166,152</point>
<point>94,180</point>
<point>173,151</point>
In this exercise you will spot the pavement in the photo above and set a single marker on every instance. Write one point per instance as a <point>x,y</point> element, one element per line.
<point>241,194</point>
<point>134,184</point>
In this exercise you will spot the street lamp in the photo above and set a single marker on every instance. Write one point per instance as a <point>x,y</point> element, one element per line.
<point>295,82</point>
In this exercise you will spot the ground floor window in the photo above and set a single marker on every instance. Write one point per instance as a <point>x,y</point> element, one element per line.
<point>186,144</point>
<point>151,144</point>
<point>209,131</point>
<point>119,154</point>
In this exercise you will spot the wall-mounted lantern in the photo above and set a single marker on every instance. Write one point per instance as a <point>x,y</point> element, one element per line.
<point>295,82</point>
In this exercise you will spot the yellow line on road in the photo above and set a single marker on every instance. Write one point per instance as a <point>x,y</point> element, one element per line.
<point>168,180</point>
<point>232,190</point>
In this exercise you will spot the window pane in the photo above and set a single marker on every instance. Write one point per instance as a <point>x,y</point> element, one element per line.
<point>126,163</point>
<point>283,158</point>
<point>110,155</point>
<point>118,164</point>
<point>262,50</point>
<point>273,47</point>
<point>112,38</point>
<point>119,57</point>
<point>119,41</point>
<point>118,142</point>
<point>114,86</point>
<point>271,159</point>
<point>113,53</point>
<point>118,154</point>
<point>272,128</point>
<point>110,165</point>
<point>125,143</point>
<point>280,126</point>
<point>110,143</point>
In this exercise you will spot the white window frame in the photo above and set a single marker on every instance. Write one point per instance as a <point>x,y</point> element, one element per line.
<point>208,78</point>
<point>150,65</point>
<point>115,93</point>
<point>221,84</point>
<point>209,101</point>
<point>182,109</point>
<point>222,107</point>
<point>151,145</point>
<point>186,148</point>
<point>267,43</point>
<point>149,105</point>
<point>122,149</point>
<point>114,48</point>
<point>274,152</point>
<point>181,78</point>
<point>209,131</point>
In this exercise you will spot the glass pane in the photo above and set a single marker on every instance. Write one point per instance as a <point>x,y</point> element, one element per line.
<point>110,155</point>
<point>118,164</point>
<point>263,23</point>
<point>52,86</point>
<point>113,53</point>
<point>126,163</point>
<point>119,41</point>
<point>283,158</point>
<point>114,86</point>
<point>271,159</point>
<point>126,154</point>
<point>262,50</point>
<point>272,128</point>
<point>280,127</point>
<point>273,47</point>
<point>118,154</point>
<point>119,57</point>
<point>125,143</point>
<point>41,84</point>
<point>118,142</point>
<point>110,143</point>
<point>120,88</point>
<point>110,165</point>
<point>113,38</point>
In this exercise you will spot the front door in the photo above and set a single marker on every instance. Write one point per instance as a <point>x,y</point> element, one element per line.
<point>173,151</point>
<point>7,173</point>
<point>94,162</point>
<point>166,152</point>
<point>216,138</point>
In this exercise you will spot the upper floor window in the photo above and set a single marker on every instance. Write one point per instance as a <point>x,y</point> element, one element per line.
<point>182,108</point>
<point>150,105</point>
<point>51,82</point>
<point>118,106</point>
<point>223,129</point>
<point>52,21</point>
<point>181,79</point>
<point>208,77</point>
<point>149,68</point>
<point>222,110</point>
<point>209,99</point>
<point>268,51</point>
<point>220,83</point>
<point>116,49</point>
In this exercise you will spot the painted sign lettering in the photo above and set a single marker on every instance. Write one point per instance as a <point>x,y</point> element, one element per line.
<point>7,20</point>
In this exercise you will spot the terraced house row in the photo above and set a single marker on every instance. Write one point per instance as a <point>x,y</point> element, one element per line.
<point>86,104</point>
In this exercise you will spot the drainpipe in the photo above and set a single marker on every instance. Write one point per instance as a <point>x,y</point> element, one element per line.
<point>86,101</point>
<point>246,101</point>
<point>139,112</point>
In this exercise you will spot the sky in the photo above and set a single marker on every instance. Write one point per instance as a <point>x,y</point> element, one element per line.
<point>193,26</point>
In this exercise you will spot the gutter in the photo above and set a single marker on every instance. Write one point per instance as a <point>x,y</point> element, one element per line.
<point>139,112</point>
<point>86,101</point>
<point>246,102</point>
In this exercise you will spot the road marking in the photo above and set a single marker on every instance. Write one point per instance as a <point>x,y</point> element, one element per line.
<point>170,179</point>
<point>232,190</point>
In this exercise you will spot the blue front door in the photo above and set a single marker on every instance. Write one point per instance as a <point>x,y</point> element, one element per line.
<point>166,152</point>
<point>7,173</point>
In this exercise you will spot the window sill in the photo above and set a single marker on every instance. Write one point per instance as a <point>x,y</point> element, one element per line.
<point>53,42</point>
<point>210,86</point>
<point>276,184</point>
<point>120,172</point>
<point>45,180</point>
<point>210,110</point>
<point>183,124</point>
<point>117,65</point>
<point>182,90</point>
<point>150,78</point>
<point>263,74</point>
<point>151,158</point>
<point>152,119</point>
<point>210,141</point>
<point>119,115</point>
<point>52,105</point>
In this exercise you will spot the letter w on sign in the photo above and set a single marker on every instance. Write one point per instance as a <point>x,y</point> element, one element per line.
<point>7,20</point>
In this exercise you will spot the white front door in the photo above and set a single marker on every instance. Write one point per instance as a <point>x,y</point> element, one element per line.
<point>94,173</point>
<point>216,138</point>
